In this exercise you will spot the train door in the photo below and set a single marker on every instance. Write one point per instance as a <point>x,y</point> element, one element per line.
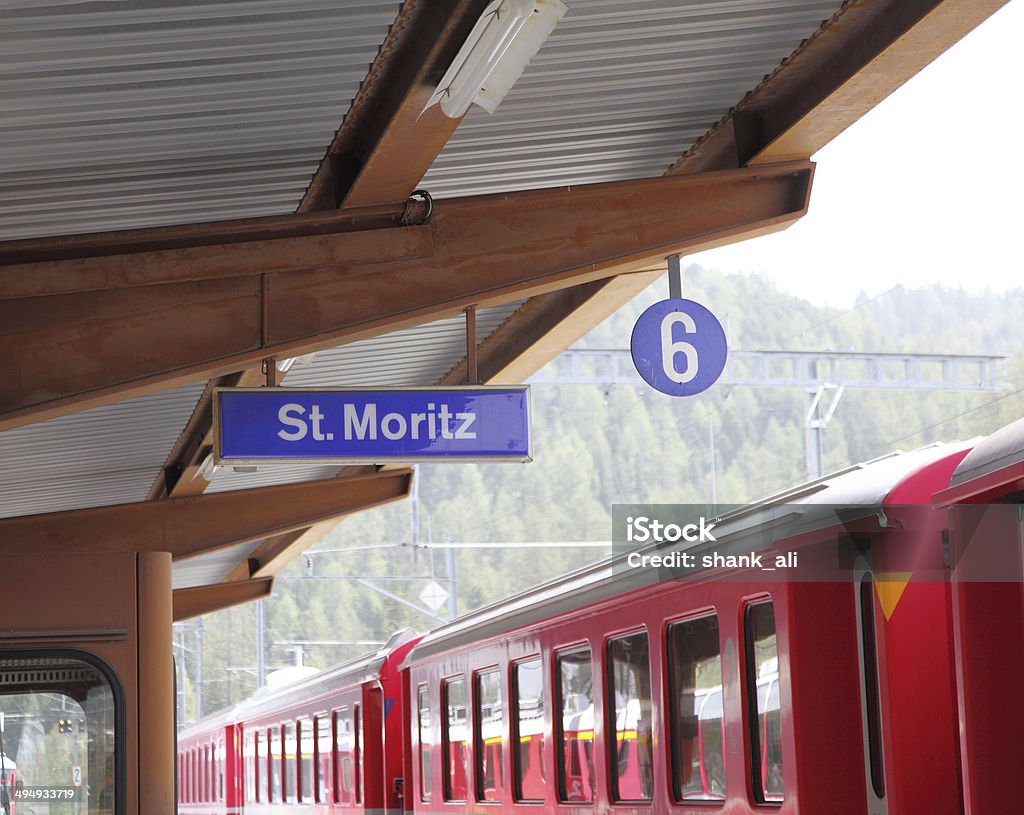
<point>86,680</point>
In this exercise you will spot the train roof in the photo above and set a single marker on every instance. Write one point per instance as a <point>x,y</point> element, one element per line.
<point>995,465</point>
<point>365,668</point>
<point>861,490</point>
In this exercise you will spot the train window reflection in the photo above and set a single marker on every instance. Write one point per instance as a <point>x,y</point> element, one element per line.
<point>255,761</point>
<point>359,753</point>
<point>629,688</point>
<point>455,740</point>
<point>528,731</point>
<point>695,707</point>
<point>576,727</point>
<point>274,764</point>
<point>763,696</point>
<point>290,753</point>
<point>305,761</point>
<point>344,756</point>
<point>323,759</point>
<point>490,725</point>
<point>425,743</point>
<point>57,731</point>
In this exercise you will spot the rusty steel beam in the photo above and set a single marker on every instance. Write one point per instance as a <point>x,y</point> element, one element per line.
<point>855,60</point>
<point>195,524</point>
<point>71,345</point>
<point>387,140</point>
<point>204,599</point>
<point>546,325</point>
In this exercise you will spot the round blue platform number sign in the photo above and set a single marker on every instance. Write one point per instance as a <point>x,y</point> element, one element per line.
<point>679,347</point>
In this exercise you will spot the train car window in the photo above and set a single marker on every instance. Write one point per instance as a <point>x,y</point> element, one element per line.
<point>763,700</point>
<point>344,754</point>
<point>193,785</point>
<point>274,765</point>
<point>575,720</point>
<point>359,754</point>
<point>871,696</point>
<point>323,759</point>
<point>629,709</point>
<point>455,741</point>
<point>305,791</point>
<point>220,769</point>
<point>249,757</point>
<point>207,773</point>
<point>489,727</point>
<point>528,730</point>
<point>697,727</point>
<point>425,745</point>
<point>260,768</point>
<point>291,750</point>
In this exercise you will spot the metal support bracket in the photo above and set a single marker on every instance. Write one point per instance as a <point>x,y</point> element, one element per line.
<point>675,277</point>
<point>472,374</point>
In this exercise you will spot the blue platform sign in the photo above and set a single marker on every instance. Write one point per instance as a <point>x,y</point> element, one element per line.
<point>347,426</point>
<point>679,347</point>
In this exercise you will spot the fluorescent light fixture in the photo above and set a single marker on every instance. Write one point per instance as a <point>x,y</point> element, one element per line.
<point>285,365</point>
<point>506,37</point>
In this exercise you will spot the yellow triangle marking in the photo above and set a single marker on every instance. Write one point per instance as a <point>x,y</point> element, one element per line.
<point>890,586</point>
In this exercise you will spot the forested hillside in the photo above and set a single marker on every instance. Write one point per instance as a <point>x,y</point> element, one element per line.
<point>596,447</point>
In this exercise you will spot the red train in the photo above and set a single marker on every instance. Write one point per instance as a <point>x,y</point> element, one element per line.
<point>885,679</point>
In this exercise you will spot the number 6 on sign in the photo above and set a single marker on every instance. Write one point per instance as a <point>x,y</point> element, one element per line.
<point>679,347</point>
<point>669,349</point>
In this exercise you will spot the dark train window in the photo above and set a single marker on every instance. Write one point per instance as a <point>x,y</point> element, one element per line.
<point>358,709</point>
<point>489,725</point>
<point>696,724</point>
<point>629,710</point>
<point>221,753</point>
<point>274,765</point>
<point>323,759</point>
<point>425,745</point>
<point>871,698</point>
<point>528,730</point>
<point>61,708</point>
<point>306,750</point>
<point>763,700</point>
<point>344,756</point>
<point>455,740</point>
<point>290,772</point>
<point>252,768</point>
<point>575,720</point>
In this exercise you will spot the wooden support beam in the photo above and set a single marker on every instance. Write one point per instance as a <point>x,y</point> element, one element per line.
<point>71,345</point>
<point>387,141</point>
<point>275,553</point>
<point>546,325</point>
<point>204,599</point>
<point>853,62</point>
<point>201,523</point>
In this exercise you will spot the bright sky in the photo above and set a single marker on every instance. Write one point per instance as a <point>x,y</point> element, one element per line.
<point>926,188</point>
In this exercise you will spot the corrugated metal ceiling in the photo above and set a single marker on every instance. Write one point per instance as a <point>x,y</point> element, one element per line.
<point>132,113</point>
<point>621,90</point>
<point>105,455</point>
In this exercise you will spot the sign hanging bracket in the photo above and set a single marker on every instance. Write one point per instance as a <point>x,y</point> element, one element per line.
<point>675,277</point>
<point>472,375</point>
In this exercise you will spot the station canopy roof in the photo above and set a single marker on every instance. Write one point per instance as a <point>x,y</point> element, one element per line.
<point>188,189</point>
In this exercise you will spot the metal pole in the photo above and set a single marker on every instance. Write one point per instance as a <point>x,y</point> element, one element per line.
<point>181,674</point>
<point>199,668</point>
<point>414,509</point>
<point>711,456</point>
<point>261,663</point>
<point>812,435</point>
<point>675,277</point>
<point>453,605</point>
